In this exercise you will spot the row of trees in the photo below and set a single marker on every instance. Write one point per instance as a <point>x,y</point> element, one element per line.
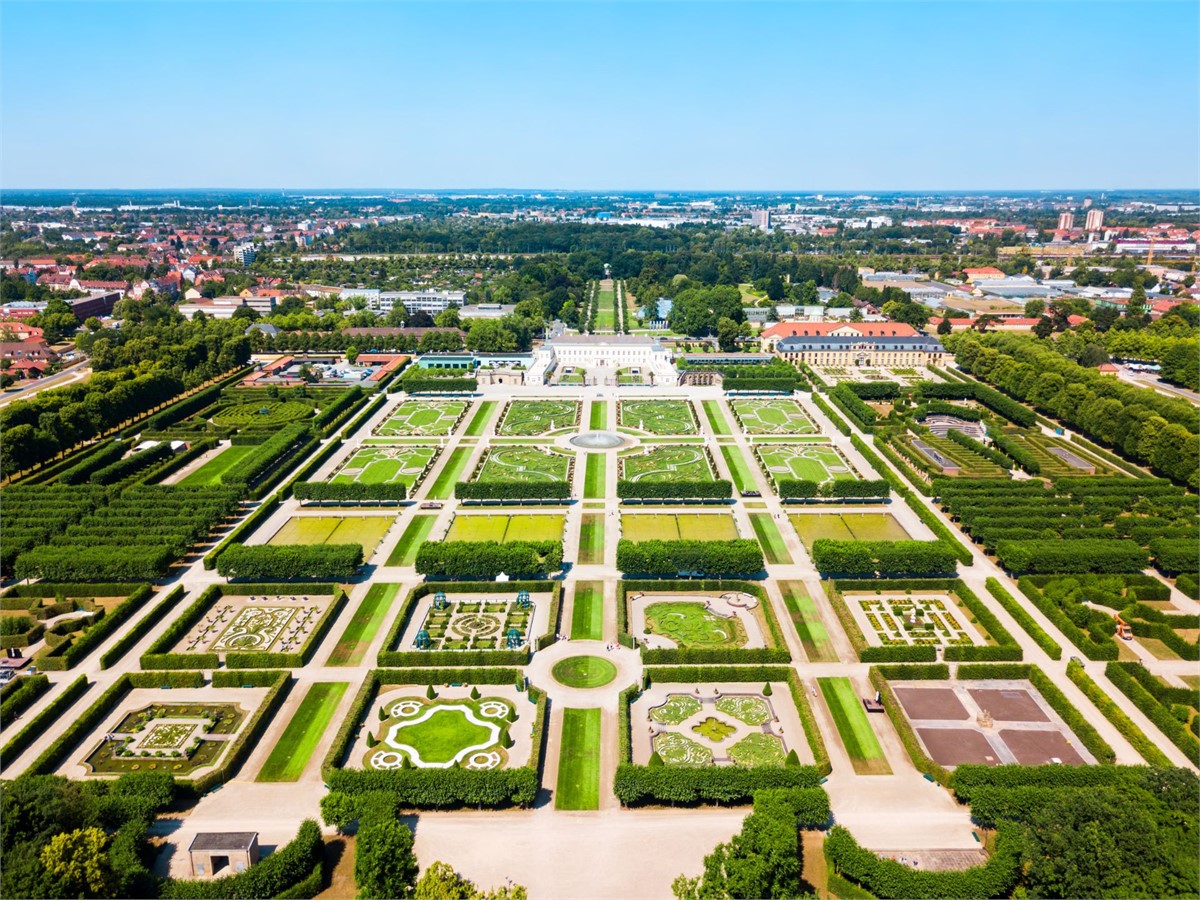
<point>883,559</point>
<point>288,562</point>
<point>668,559</point>
<point>484,560</point>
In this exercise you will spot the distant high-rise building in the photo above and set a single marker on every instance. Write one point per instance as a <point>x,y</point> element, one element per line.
<point>1087,202</point>
<point>1066,221</point>
<point>243,254</point>
<point>761,219</point>
<point>1095,220</point>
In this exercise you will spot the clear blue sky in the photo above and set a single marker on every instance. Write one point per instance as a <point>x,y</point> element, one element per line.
<point>703,96</point>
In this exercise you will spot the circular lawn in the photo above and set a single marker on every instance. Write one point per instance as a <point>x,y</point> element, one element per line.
<point>584,671</point>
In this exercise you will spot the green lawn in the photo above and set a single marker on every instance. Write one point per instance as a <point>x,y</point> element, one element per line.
<point>678,527</point>
<point>578,784</point>
<point>591,539</point>
<point>365,530</point>
<point>480,420</point>
<point>772,541</point>
<point>606,315</point>
<point>410,542</point>
<point>211,472</point>
<point>743,478</point>
<point>426,417</point>
<point>452,471</point>
<point>587,621</point>
<point>371,613</point>
<point>442,736</point>
<point>813,636</point>
<point>521,527</point>
<point>689,624</point>
<point>847,527</point>
<point>716,417</point>
<point>311,720</point>
<point>776,416</point>
<point>812,462</point>
<point>862,746</point>
<point>598,415</point>
<point>584,672</point>
<point>663,463</point>
<point>593,477</point>
<point>386,465</point>
<point>658,416</point>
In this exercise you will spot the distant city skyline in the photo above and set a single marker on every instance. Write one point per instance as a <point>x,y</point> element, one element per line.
<point>705,97</point>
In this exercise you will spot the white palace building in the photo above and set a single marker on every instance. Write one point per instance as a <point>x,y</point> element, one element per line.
<point>605,352</point>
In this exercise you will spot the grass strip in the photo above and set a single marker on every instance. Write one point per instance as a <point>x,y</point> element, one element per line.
<point>481,418</point>
<point>591,539</point>
<point>743,478</point>
<point>593,477</point>
<point>362,628</point>
<point>1033,629</point>
<point>443,487</point>
<point>578,784</point>
<point>410,542</point>
<point>814,639</point>
<point>296,745</point>
<point>768,535</point>
<point>862,746</point>
<point>587,619</point>
<point>598,416</point>
<point>716,418</point>
<point>212,471</point>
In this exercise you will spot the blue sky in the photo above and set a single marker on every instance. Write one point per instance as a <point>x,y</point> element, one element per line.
<point>701,96</point>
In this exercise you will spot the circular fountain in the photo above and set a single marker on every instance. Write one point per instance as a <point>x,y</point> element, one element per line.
<point>598,441</point>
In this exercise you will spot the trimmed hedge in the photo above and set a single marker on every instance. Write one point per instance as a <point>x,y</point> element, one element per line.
<point>393,492</point>
<point>1158,712</point>
<point>99,632</point>
<point>1026,621</point>
<point>512,490</point>
<point>107,455</point>
<point>883,559</point>
<point>484,560</point>
<point>879,676</point>
<point>20,694</point>
<point>131,465</point>
<point>421,384</point>
<point>159,655</point>
<point>1082,639</point>
<point>291,561</point>
<point>674,490</point>
<point>848,402</point>
<point>1136,737</point>
<point>1007,648</point>
<point>1070,556</point>
<point>839,488</point>
<point>670,559</point>
<point>691,786</point>
<point>138,631</point>
<point>51,713</point>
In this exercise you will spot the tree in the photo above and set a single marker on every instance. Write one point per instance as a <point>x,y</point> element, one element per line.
<point>441,882</point>
<point>1093,355</point>
<point>91,323</point>
<point>1044,327</point>
<point>1104,317</point>
<point>944,326</point>
<point>1137,306</point>
<point>77,861</point>
<point>775,288</point>
<point>728,333</point>
<point>448,318</point>
<point>351,354</point>
<point>384,865</point>
<point>1034,308</point>
<point>490,336</point>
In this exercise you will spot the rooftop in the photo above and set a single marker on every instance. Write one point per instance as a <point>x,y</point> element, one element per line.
<point>223,840</point>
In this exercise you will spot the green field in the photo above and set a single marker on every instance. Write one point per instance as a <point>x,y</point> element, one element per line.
<point>772,541</point>
<point>530,417</point>
<point>678,526</point>
<point>658,416</point>
<point>862,746</point>
<point>587,620</point>
<point>365,530</point>
<point>452,471</point>
<point>212,471</point>
<point>811,462</point>
<point>425,417</point>
<point>689,624</point>
<point>739,469</point>
<point>663,463</point>
<point>486,527</point>
<point>813,636</point>
<point>311,720</point>
<point>847,527</point>
<point>578,785</point>
<point>584,672</point>
<point>386,465</point>
<point>606,315</point>
<point>591,539</point>
<point>716,417</point>
<point>410,542</point>
<point>779,416</point>
<point>593,476</point>
<point>362,628</point>
<point>479,421</point>
<point>524,464</point>
<point>598,415</point>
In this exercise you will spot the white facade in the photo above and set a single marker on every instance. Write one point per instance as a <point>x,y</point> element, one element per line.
<point>603,352</point>
<point>243,254</point>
